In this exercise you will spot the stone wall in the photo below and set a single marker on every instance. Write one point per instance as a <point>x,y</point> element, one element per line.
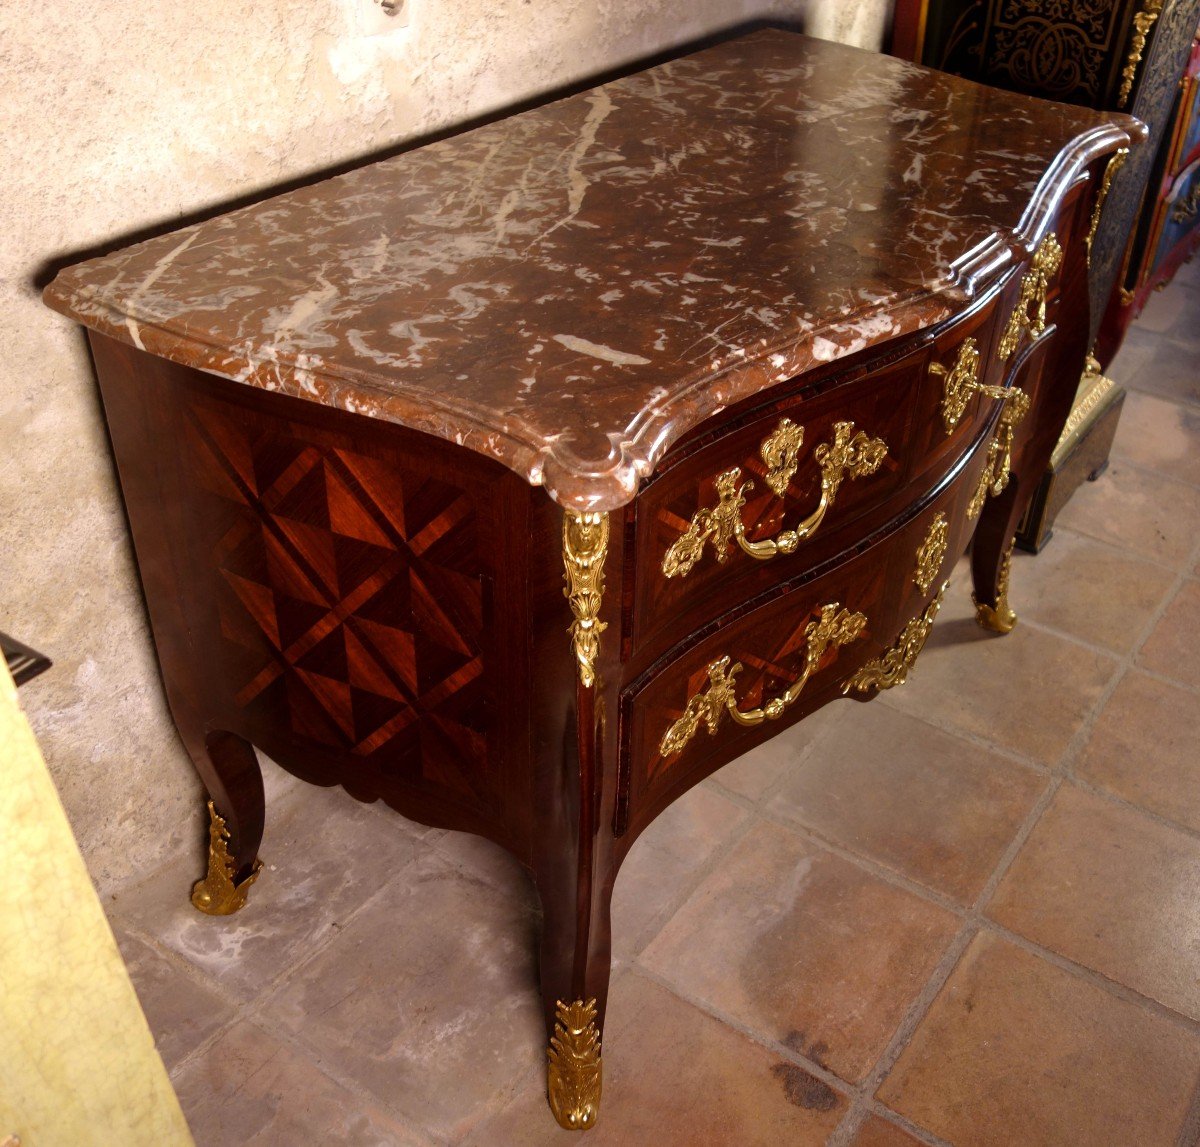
<point>122,118</point>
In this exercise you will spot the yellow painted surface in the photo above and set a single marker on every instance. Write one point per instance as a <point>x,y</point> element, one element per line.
<point>77,1061</point>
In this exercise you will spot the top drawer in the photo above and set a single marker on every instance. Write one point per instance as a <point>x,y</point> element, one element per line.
<point>791,476</point>
<point>797,482</point>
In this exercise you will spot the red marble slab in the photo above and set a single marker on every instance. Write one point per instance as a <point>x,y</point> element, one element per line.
<point>571,289</point>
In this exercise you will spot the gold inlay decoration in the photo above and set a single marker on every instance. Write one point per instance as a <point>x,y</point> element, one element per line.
<point>1186,207</point>
<point>996,470</point>
<point>893,667</point>
<point>835,627</point>
<point>1034,285</point>
<point>1114,165</point>
<point>1142,23</point>
<point>779,451</point>
<point>575,1073</point>
<point>217,894</point>
<point>932,553</point>
<point>585,544</point>
<point>848,455</point>
<point>961,381</point>
<point>1000,617</point>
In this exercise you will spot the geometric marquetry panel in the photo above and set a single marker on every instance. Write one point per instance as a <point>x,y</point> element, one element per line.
<point>350,596</point>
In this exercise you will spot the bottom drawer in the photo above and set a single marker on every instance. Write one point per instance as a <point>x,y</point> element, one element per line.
<point>756,671</point>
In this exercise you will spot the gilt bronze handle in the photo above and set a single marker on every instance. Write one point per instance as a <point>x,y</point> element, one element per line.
<point>996,470</point>
<point>849,454</point>
<point>1029,314</point>
<point>836,626</point>
<point>961,382</point>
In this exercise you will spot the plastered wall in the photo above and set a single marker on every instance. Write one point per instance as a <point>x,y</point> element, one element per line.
<point>120,116</point>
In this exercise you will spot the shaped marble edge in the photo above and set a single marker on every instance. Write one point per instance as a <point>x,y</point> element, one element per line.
<point>594,470</point>
<point>610,481</point>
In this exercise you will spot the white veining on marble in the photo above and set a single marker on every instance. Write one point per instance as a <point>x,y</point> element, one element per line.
<point>606,353</point>
<point>703,230</point>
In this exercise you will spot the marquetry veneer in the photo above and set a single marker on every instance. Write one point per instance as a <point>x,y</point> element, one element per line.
<point>523,480</point>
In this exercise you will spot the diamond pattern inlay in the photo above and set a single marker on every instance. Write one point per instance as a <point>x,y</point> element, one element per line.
<point>351,589</point>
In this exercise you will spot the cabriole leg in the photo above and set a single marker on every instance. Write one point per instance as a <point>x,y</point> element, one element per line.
<point>568,870</point>
<point>229,769</point>
<point>575,971</point>
<point>991,561</point>
<point>998,615</point>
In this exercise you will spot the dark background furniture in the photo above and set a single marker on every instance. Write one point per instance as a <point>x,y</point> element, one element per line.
<point>1127,55</point>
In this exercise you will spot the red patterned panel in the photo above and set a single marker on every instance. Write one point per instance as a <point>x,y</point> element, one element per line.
<point>349,596</point>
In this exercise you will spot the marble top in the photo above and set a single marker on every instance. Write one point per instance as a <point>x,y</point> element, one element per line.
<point>571,289</point>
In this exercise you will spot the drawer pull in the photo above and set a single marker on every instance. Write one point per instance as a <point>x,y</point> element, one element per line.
<point>850,454</point>
<point>892,668</point>
<point>836,626</point>
<point>932,553</point>
<point>1035,283</point>
<point>961,382</point>
<point>995,474</point>
<point>1115,163</point>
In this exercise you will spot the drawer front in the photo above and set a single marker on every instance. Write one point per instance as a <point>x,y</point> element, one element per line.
<point>799,474</point>
<point>953,399</point>
<point>809,478</point>
<point>784,658</point>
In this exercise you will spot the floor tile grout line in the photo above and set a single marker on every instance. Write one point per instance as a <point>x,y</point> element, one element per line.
<point>818,1070</point>
<point>837,848</point>
<point>866,863</point>
<point>1170,565</point>
<point>945,725</point>
<point>877,868</point>
<point>919,1008</point>
<point>699,875</point>
<point>1134,464</point>
<point>1092,976</point>
<point>1186,403</point>
<point>296,1041</point>
<point>1113,798</point>
<point>247,1008</point>
<point>1074,638</point>
<point>1183,686</point>
<point>1142,467</point>
<point>975,914</point>
<point>1118,549</point>
<point>177,962</point>
<point>844,1134</point>
<point>312,1054</point>
<point>1125,665</point>
<point>922,1134</point>
<point>1015,845</point>
<point>862,1109</point>
<point>808,751</point>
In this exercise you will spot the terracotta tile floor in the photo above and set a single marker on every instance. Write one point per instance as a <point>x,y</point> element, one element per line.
<point>967,913</point>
